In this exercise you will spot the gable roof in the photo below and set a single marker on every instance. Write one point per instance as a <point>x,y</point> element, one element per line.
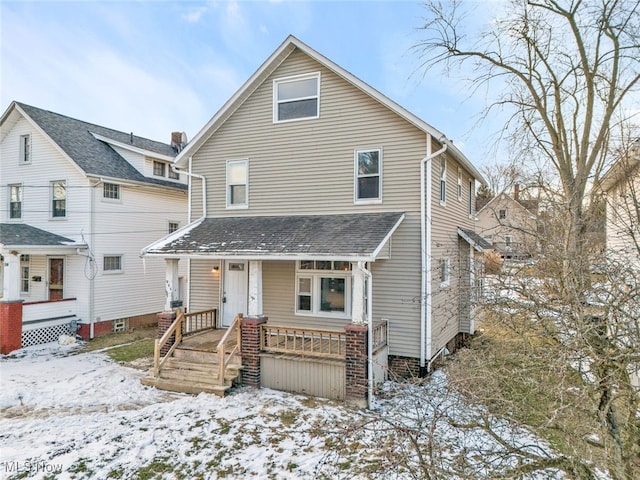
<point>82,143</point>
<point>529,207</point>
<point>621,169</point>
<point>339,237</point>
<point>277,57</point>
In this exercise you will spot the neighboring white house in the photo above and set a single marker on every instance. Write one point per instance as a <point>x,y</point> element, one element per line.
<point>77,203</point>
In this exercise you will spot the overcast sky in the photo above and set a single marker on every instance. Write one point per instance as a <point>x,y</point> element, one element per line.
<point>161,66</point>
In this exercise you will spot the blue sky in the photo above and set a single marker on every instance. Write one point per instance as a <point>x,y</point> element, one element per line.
<point>162,66</point>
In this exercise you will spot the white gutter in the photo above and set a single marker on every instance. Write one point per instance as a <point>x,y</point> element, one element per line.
<point>425,260</point>
<point>204,188</point>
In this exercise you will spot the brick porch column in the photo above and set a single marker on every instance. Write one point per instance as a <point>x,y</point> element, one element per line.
<point>356,374</point>
<point>250,348</point>
<point>165,319</point>
<point>10,326</point>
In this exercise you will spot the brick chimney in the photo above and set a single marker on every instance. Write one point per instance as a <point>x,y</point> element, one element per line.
<point>516,192</point>
<point>178,140</point>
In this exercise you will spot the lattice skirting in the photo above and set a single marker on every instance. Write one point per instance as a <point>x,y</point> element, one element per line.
<point>45,335</point>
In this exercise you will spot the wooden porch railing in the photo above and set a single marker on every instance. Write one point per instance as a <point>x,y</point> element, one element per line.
<point>199,321</point>
<point>175,328</point>
<point>183,325</point>
<point>303,341</point>
<point>379,333</point>
<point>228,350</point>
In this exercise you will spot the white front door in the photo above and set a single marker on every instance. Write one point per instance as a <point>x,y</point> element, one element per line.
<point>234,296</point>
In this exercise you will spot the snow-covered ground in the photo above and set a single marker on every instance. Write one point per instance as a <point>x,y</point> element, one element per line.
<point>76,415</point>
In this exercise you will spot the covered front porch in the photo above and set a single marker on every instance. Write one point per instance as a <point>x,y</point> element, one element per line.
<point>37,304</point>
<point>301,293</point>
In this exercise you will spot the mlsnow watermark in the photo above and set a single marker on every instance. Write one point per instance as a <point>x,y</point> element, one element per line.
<point>30,466</point>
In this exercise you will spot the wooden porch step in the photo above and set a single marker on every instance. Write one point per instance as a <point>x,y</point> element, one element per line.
<point>196,355</point>
<point>185,386</point>
<point>204,367</point>
<point>198,376</point>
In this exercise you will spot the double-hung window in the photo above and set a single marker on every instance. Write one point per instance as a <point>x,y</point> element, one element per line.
<point>471,197</point>
<point>459,184</point>
<point>159,168</point>
<point>238,183</point>
<point>443,181</point>
<point>15,201</point>
<point>502,214</point>
<point>25,148</point>
<point>368,184</point>
<point>445,272</point>
<point>323,288</point>
<point>296,98</point>
<point>59,199</point>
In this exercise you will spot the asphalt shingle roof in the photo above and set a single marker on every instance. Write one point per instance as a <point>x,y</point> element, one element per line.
<point>93,156</point>
<point>22,234</point>
<point>478,240</point>
<point>347,235</point>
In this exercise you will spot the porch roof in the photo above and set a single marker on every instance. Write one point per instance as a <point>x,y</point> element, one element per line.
<point>21,236</point>
<point>478,242</point>
<point>344,236</point>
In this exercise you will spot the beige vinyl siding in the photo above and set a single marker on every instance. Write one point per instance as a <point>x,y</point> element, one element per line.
<point>446,315</point>
<point>622,218</point>
<point>204,291</point>
<point>307,167</point>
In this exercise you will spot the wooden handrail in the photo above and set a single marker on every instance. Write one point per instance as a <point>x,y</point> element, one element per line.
<point>224,358</point>
<point>196,322</point>
<point>380,335</point>
<point>175,327</point>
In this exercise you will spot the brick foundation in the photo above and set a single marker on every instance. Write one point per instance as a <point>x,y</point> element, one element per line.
<point>10,326</point>
<point>106,327</point>
<point>356,374</point>
<point>165,319</point>
<point>250,348</point>
<point>403,368</point>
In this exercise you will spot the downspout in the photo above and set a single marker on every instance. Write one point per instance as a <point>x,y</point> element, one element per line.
<point>189,173</point>
<point>425,260</point>
<point>368,276</point>
<point>92,281</point>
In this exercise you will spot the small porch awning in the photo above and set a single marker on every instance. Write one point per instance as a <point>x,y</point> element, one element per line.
<point>478,242</point>
<point>349,237</point>
<point>25,238</point>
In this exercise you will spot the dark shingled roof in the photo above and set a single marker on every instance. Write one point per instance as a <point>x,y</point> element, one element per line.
<point>93,156</point>
<point>477,241</point>
<point>22,234</point>
<point>352,235</point>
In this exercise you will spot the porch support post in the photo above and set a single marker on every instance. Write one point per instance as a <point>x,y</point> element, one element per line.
<point>11,281</point>
<point>250,349</point>
<point>255,288</point>
<point>358,316</point>
<point>11,305</point>
<point>171,282</point>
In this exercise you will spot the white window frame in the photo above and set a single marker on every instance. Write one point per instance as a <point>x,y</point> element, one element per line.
<point>316,276</point>
<point>52,199</point>
<point>357,176</point>
<point>460,195</point>
<point>164,168</point>
<point>445,272</point>
<point>170,223</point>
<point>296,78</point>
<point>25,274</point>
<point>111,271</point>
<point>230,163</point>
<point>471,202</point>
<point>25,149</point>
<point>500,214</point>
<point>443,181</point>
<point>117,190</point>
<point>20,191</point>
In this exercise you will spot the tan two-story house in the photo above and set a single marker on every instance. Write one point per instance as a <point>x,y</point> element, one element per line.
<point>320,205</point>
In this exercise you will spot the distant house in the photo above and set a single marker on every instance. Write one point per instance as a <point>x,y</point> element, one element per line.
<point>510,224</point>
<point>78,203</point>
<point>621,185</point>
<point>327,211</point>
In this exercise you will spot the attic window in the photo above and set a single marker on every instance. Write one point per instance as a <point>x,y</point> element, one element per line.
<point>159,169</point>
<point>502,214</point>
<point>296,98</point>
<point>25,148</point>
